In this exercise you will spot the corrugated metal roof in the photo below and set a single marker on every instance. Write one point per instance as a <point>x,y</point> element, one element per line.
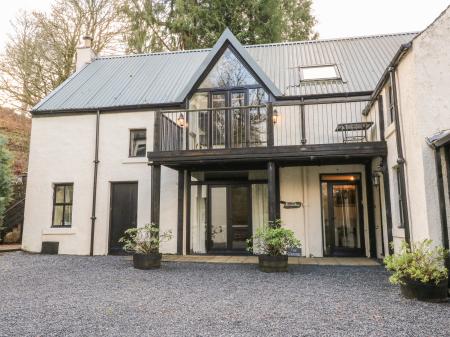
<point>160,78</point>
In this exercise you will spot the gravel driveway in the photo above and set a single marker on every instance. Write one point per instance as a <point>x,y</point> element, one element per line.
<point>104,296</point>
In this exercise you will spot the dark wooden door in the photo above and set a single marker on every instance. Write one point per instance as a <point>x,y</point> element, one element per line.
<point>123,213</point>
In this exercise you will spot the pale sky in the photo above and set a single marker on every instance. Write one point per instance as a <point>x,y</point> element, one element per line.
<point>337,18</point>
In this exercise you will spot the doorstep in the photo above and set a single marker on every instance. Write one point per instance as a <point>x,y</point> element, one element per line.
<point>10,247</point>
<point>325,261</point>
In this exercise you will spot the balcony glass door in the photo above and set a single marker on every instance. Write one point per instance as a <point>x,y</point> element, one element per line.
<point>218,120</point>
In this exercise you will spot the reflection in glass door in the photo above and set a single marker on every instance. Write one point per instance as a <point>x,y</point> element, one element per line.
<point>218,218</point>
<point>229,218</point>
<point>239,124</point>
<point>343,235</point>
<point>218,121</point>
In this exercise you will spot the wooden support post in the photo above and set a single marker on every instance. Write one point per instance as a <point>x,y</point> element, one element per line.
<point>270,134</point>
<point>188,212</point>
<point>272,188</point>
<point>180,212</point>
<point>155,194</point>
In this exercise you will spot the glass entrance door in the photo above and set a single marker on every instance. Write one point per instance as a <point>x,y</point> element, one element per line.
<point>229,218</point>
<point>343,232</point>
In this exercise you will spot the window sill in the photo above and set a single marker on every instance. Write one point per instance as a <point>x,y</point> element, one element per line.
<point>59,231</point>
<point>135,160</point>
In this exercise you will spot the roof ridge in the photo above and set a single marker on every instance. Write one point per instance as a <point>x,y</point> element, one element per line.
<point>360,37</point>
<point>154,54</point>
<point>257,45</point>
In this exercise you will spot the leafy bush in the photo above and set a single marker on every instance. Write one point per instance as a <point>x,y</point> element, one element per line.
<point>5,178</point>
<point>421,262</point>
<point>272,239</point>
<point>144,240</point>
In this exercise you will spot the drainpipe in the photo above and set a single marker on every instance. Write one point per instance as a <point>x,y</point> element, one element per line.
<point>94,187</point>
<point>400,156</point>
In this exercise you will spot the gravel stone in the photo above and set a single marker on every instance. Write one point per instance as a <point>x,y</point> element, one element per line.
<point>57,295</point>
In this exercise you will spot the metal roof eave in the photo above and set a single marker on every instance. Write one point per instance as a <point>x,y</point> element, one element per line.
<point>228,37</point>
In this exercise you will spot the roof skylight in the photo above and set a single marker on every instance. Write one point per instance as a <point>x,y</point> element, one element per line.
<point>315,73</point>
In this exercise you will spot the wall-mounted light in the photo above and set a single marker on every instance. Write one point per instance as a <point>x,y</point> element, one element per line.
<point>181,122</point>
<point>275,116</point>
<point>376,179</point>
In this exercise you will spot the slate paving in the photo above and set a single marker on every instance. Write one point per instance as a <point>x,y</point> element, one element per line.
<point>50,295</point>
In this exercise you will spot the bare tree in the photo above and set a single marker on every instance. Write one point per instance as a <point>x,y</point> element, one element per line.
<point>40,54</point>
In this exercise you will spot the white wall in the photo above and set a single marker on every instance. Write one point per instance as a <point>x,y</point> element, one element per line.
<point>62,150</point>
<point>422,79</point>
<point>303,184</point>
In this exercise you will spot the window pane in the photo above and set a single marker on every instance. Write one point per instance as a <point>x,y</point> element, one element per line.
<point>258,117</point>
<point>69,194</point>
<point>58,215</point>
<point>198,122</point>
<point>218,121</point>
<point>228,72</point>
<point>59,194</point>
<point>68,216</point>
<point>319,73</point>
<point>238,123</point>
<point>138,143</point>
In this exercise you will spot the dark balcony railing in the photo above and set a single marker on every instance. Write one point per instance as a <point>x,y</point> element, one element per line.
<point>277,124</point>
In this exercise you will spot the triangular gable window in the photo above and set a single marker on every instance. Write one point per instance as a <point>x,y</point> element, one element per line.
<point>228,72</point>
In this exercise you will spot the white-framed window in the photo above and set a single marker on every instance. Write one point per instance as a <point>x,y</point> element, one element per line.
<point>317,73</point>
<point>138,143</point>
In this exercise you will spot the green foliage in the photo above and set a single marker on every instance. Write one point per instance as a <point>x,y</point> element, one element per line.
<point>272,239</point>
<point>144,240</point>
<point>188,24</point>
<point>5,178</point>
<point>422,263</point>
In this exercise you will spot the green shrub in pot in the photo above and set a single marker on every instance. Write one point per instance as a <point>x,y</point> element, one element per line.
<point>271,243</point>
<point>144,243</point>
<point>420,270</point>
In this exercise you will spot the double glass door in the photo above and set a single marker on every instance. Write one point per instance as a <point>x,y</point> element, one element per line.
<point>229,128</point>
<point>236,126</point>
<point>229,221</point>
<point>342,224</point>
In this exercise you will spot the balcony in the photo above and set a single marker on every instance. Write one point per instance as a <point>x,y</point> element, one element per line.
<point>282,130</point>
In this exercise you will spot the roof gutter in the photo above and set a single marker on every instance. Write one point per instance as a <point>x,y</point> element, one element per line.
<point>404,48</point>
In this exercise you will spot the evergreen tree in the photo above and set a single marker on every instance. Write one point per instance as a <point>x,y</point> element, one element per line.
<point>155,25</point>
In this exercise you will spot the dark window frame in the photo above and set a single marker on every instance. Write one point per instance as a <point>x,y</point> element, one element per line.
<point>130,155</point>
<point>64,204</point>
<point>400,199</point>
<point>390,104</point>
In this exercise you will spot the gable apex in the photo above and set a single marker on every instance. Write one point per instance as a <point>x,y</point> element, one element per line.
<point>228,39</point>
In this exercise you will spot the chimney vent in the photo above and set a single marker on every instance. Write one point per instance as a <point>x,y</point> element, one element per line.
<point>85,54</point>
<point>87,41</point>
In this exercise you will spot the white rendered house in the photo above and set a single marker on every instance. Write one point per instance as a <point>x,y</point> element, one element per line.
<point>213,143</point>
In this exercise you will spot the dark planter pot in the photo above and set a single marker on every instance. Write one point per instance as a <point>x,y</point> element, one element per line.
<point>429,292</point>
<point>151,261</point>
<point>273,264</point>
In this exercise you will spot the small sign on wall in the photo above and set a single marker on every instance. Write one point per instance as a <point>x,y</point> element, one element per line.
<point>291,204</point>
<point>294,252</point>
